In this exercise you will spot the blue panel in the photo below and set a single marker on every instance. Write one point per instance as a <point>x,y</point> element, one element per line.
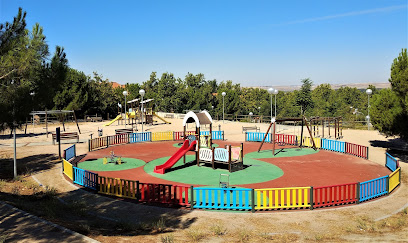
<point>222,198</point>
<point>70,152</point>
<point>373,188</point>
<point>391,162</point>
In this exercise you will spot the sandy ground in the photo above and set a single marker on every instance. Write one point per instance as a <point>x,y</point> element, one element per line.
<point>324,221</point>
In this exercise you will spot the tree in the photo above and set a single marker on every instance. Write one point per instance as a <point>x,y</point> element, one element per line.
<point>304,96</point>
<point>399,78</point>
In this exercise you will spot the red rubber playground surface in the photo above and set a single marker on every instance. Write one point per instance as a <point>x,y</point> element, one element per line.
<point>320,168</point>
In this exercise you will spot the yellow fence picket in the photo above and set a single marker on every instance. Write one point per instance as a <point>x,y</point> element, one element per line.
<point>162,136</point>
<point>275,198</point>
<point>394,179</point>
<point>68,169</point>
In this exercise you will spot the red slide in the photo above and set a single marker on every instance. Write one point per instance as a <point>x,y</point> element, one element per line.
<point>161,169</point>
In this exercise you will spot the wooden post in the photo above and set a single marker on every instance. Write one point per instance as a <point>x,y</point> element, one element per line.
<point>311,198</point>
<point>25,130</point>
<point>76,121</point>
<point>266,134</point>
<point>211,135</point>
<point>323,128</point>
<point>46,123</point>
<point>63,124</point>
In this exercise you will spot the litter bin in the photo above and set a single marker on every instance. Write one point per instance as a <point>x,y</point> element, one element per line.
<point>100,132</point>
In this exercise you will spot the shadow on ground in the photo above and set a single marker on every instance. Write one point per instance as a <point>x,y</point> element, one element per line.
<point>27,165</point>
<point>396,147</point>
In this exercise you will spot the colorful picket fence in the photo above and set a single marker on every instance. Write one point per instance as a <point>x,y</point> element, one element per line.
<point>256,137</point>
<point>162,136</point>
<point>281,198</point>
<point>286,139</point>
<point>391,162</point>
<point>68,169</point>
<point>96,143</point>
<point>118,139</point>
<point>333,145</point>
<point>394,179</point>
<point>164,193</point>
<point>70,153</point>
<point>85,178</point>
<point>334,195</point>
<point>140,137</point>
<point>118,187</point>
<point>373,188</point>
<point>357,150</point>
<point>307,142</point>
<point>180,135</point>
<point>223,198</point>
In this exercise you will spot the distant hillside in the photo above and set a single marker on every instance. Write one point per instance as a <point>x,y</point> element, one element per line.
<point>334,86</point>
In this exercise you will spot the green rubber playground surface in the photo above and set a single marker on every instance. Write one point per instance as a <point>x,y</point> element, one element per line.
<point>255,171</point>
<point>178,145</point>
<point>97,164</point>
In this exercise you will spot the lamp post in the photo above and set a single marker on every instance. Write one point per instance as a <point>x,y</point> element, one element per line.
<point>275,92</point>
<point>250,116</point>
<point>32,98</point>
<point>223,107</point>
<point>125,93</point>
<point>142,93</point>
<point>368,92</point>
<point>270,91</point>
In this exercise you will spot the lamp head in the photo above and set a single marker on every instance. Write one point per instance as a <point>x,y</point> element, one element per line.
<point>125,93</point>
<point>223,93</point>
<point>275,91</point>
<point>142,92</point>
<point>270,90</point>
<point>369,91</point>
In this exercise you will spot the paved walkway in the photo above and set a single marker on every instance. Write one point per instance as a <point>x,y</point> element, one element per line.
<point>19,226</point>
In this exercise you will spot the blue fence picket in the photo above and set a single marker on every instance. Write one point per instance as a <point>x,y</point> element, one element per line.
<point>373,188</point>
<point>140,137</point>
<point>334,145</point>
<point>215,135</point>
<point>223,198</point>
<point>257,137</point>
<point>85,178</point>
<point>391,162</point>
<point>70,152</point>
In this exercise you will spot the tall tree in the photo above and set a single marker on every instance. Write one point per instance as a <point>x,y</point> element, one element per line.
<point>304,96</point>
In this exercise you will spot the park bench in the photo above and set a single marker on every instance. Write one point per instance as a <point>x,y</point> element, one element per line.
<point>244,129</point>
<point>124,130</point>
<point>65,136</point>
<point>169,116</point>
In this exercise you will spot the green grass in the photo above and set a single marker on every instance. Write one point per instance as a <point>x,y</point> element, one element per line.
<point>97,164</point>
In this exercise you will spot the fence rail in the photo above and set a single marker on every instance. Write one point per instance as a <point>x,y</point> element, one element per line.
<point>394,180</point>
<point>307,142</point>
<point>391,162</point>
<point>118,139</point>
<point>286,139</point>
<point>357,150</point>
<point>118,187</point>
<point>68,169</point>
<point>140,137</point>
<point>70,153</point>
<point>373,188</point>
<point>223,198</point>
<point>96,143</point>
<point>85,178</point>
<point>162,136</point>
<point>256,137</point>
<point>334,195</point>
<point>333,145</point>
<point>163,193</point>
<point>280,198</point>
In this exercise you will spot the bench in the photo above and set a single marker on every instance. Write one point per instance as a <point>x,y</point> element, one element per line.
<point>65,136</point>
<point>125,130</point>
<point>169,116</point>
<point>230,155</point>
<point>244,129</point>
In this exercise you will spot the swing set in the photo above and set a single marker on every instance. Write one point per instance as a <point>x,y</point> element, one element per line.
<point>273,132</point>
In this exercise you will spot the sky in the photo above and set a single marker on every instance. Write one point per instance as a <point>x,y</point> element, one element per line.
<point>253,42</point>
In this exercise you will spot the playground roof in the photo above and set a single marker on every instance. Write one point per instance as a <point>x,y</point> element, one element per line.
<point>132,101</point>
<point>200,118</point>
<point>146,101</point>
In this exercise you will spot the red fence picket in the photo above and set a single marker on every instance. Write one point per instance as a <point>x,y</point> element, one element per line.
<point>357,150</point>
<point>163,193</point>
<point>334,195</point>
<point>286,139</point>
<point>180,135</point>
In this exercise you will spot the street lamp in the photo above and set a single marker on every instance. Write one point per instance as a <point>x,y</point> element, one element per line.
<point>270,91</point>
<point>32,98</point>
<point>142,93</point>
<point>125,93</point>
<point>275,92</point>
<point>223,107</point>
<point>368,92</point>
<point>250,116</point>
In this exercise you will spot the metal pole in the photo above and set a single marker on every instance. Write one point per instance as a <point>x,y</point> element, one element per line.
<point>223,115</point>
<point>368,122</point>
<point>275,105</point>
<point>125,112</point>
<point>142,113</point>
<point>271,108</point>
<point>15,152</point>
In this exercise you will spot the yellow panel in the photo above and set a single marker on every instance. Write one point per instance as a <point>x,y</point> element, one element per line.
<point>394,179</point>
<point>68,169</point>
